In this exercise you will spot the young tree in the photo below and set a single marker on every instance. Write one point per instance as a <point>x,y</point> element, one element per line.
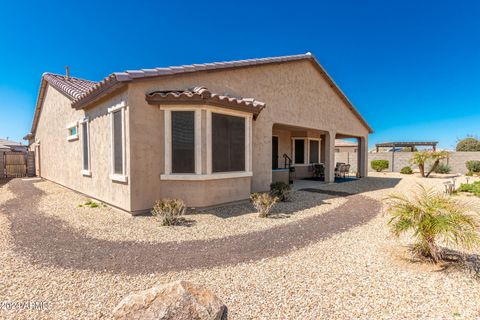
<point>422,158</point>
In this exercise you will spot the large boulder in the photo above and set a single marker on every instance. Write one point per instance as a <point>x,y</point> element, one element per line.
<point>176,300</point>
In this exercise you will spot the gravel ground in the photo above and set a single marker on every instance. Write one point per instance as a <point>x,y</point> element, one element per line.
<point>107,223</point>
<point>359,274</point>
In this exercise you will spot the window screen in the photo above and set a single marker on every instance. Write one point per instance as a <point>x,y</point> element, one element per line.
<point>228,143</point>
<point>299,151</point>
<point>117,142</point>
<point>85,146</point>
<point>183,141</point>
<point>313,151</point>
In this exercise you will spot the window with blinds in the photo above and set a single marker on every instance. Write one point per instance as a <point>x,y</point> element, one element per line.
<point>118,142</point>
<point>85,146</point>
<point>228,143</point>
<point>183,142</point>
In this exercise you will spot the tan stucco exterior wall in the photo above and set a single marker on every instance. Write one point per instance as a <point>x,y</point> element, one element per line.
<point>61,160</point>
<point>296,94</point>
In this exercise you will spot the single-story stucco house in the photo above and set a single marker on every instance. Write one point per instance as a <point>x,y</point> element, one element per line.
<point>8,145</point>
<point>206,133</point>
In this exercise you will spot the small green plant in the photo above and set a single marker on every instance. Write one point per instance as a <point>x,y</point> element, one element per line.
<point>433,216</point>
<point>90,203</point>
<point>379,165</point>
<point>443,168</point>
<point>473,166</point>
<point>281,190</point>
<point>470,188</point>
<point>263,202</point>
<point>169,211</point>
<point>406,170</point>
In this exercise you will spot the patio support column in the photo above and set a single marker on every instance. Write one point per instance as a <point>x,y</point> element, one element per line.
<point>330,157</point>
<point>362,161</point>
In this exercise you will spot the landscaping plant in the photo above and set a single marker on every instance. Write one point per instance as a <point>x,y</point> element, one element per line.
<point>422,158</point>
<point>443,168</point>
<point>281,190</point>
<point>470,188</point>
<point>406,170</point>
<point>433,217</point>
<point>90,203</point>
<point>473,166</point>
<point>379,165</point>
<point>263,202</point>
<point>169,211</point>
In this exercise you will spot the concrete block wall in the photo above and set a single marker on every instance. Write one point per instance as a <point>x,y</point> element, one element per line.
<point>30,164</point>
<point>397,161</point>
<point>2,165</point>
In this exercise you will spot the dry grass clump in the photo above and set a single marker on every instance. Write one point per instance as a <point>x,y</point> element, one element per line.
<point>169,211</point>
<point>263,202</point>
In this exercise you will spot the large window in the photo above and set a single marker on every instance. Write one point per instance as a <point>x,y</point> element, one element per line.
<point>228,143</point>
<point>183,142</point>
<point>299,147</point>
<point>85,148</point>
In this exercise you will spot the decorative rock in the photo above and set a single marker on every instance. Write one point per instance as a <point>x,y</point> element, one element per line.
<point>176,300</point>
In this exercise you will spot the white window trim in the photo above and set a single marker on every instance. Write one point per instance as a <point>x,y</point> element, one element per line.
<point>120,107</point>
<point>72,137</point>
<point>86,172</point>
<point>208,175</point>
<point>306,156</point>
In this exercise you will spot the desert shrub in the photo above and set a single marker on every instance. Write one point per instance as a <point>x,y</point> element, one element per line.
<point>263,202</point>
<point>379,165</point>
<point>468,144</point>
<point>443,168</point>
<point>169,210</point>
<point>406,170</point>
<point>473,166</point>
<point>281,190</point>
<point>433,216</point>
<point>470,187</point>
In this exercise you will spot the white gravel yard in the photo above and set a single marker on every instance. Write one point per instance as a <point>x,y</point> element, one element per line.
<point>105,222</point>
<point>363,273</point>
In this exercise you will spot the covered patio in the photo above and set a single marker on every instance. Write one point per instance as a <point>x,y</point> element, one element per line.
<point>301,155</point>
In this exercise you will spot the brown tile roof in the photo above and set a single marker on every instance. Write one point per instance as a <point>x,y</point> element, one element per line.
<point>71,86</point>
<point>83,92</point>
<point>203,95</point>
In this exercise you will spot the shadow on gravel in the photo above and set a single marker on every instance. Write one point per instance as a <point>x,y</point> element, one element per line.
<point>48,241</point>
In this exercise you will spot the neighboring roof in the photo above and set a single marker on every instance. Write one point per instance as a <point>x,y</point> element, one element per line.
<point>407,144</point>
<point>203,95</point>
<point>83,92</point>
<point>345,143</point>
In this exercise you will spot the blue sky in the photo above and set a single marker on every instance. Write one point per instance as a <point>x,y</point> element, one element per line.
<point>412,68</point>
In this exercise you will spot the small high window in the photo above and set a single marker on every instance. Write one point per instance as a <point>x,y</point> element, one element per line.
<point>72,132</point>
